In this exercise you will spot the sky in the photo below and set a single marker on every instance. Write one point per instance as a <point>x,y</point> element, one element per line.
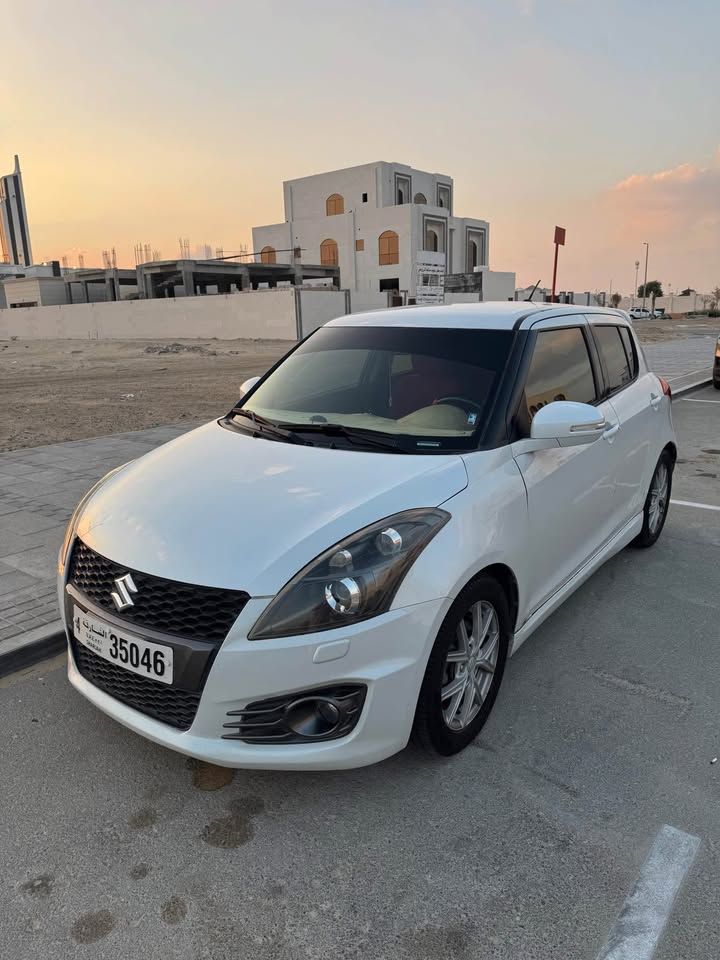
<point>149,120</point>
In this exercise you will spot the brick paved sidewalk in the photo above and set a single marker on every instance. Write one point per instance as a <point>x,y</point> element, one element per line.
<point>39,489</point>
<point>40,486</point>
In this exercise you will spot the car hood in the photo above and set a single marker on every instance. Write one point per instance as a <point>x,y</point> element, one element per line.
<point>220,508</point>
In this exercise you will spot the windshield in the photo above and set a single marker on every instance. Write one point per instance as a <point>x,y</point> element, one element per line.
<point>428,389</point>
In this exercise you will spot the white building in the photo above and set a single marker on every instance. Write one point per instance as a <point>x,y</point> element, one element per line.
<point>34,292</point>
<point>390,229</point>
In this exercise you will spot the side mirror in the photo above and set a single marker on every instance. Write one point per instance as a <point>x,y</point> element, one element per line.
<point>247,386</point>
<point>570,424</point>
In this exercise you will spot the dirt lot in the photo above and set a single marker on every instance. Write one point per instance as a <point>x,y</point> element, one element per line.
<point>55,390</point>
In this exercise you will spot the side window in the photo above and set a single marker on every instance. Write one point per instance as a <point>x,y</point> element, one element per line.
<point>612,352</point>
<point>627,340</point>
<point>560,369</point>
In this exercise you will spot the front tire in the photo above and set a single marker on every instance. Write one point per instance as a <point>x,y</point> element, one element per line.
<point>657,502</point>
<point>465,669</point>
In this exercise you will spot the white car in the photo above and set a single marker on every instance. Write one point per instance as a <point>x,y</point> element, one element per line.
<point>353,552</point>
<point>638,313</point>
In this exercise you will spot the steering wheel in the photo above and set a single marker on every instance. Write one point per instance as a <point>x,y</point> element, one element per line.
<point>462,401</point>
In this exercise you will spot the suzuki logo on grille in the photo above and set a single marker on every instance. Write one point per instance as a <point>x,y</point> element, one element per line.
<point>122,596</point>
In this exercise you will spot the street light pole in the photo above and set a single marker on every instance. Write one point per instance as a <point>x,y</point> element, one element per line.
<point>637,267</point>
<point>647,254</point>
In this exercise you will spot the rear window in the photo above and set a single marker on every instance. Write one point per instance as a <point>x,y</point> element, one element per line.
<point>618,368</point>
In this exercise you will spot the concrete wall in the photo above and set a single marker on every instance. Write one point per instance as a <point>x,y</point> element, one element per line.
<point>498,285</point>
<point>257,314</point>
<point>319,306</point>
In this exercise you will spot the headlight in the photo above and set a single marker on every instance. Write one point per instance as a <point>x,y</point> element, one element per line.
<point>354,580</point>
<point>72,526</point>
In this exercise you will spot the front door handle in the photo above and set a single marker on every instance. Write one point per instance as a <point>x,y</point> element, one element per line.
<point>655,400</point>
<point>610,431</point>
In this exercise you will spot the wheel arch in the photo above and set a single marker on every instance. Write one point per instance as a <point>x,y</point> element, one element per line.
<point>508,581</point>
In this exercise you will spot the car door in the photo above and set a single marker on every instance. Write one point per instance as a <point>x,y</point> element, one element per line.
<point>636,397</point>
<point>570,490</point>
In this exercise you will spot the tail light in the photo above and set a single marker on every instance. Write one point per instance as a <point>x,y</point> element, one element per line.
<point>665,387</point>
<point>717,348</point>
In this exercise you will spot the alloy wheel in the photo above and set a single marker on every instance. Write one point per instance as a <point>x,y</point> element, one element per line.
<point>470,665</point>
<point>658,497</point>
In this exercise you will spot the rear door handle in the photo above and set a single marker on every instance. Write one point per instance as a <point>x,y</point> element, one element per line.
<point>610,431</point>
<point>655,399</point>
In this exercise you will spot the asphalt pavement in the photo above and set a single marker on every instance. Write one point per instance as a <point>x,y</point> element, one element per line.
<point>524,846</point>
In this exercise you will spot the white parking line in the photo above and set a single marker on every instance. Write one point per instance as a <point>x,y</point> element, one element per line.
<point>697,400</point>
<point>642,919</point>
<point>698,506</point>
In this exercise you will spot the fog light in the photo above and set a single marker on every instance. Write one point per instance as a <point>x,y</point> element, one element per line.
<point>389,542</point>
<point>343,596</point>
<point>312,717</point>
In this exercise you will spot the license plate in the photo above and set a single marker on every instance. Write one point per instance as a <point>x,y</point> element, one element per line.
<point>154,660</point>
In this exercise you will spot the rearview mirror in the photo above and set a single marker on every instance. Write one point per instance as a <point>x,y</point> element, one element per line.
<point>247,386</point>
<point>570,423</point>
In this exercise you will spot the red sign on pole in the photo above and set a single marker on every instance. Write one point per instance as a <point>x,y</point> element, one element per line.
<point>560,236</point>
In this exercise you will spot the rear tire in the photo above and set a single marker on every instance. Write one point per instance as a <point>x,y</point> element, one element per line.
<point>657,502</point>
<point>716,384</point>
<point>465,669</point>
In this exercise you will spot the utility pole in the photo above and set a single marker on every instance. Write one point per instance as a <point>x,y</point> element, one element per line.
<point>647,254</point>
<point>637,267</point>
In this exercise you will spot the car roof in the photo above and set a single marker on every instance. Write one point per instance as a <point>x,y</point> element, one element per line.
<point>492,315</point>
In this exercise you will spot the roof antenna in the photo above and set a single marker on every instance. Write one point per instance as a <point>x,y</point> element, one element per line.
<point>532,293</point>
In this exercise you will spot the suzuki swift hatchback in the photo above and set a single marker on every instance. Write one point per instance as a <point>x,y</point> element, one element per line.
<point>352,552</point>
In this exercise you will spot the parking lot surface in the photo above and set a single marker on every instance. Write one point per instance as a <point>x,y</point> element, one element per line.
<point>524,846</point>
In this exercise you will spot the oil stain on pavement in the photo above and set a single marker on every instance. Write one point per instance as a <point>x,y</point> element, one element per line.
<point>142,819</point>
<point>91,927</point>
<point>39,886</point>
<point>207,776</point>
<point>174,910</point>
<point>235,829</point>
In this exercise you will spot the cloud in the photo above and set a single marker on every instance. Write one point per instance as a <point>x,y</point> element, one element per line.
<point>686,196</point>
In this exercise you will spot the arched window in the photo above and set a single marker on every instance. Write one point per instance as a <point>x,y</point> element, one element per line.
<point>388,248</point>
<point>329,253</point>
<point>432,241</point>
<point>268,255</point>
<point>420,198</point>
<point>334,204</point>
<point>472,254</point>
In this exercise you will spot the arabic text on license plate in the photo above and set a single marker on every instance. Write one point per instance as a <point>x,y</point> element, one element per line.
<point>153,660</point>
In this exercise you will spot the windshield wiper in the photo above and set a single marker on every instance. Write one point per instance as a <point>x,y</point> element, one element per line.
<point>267,427</point>
<point>365,437</point>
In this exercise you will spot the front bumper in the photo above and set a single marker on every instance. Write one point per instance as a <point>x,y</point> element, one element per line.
<point>388,654</point>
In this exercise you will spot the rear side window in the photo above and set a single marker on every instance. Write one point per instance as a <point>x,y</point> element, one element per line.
<point>627,340</point>
<point>618,368</point>
<point>560,369</point>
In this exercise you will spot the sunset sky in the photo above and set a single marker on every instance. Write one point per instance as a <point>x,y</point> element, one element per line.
<point>147,120</point>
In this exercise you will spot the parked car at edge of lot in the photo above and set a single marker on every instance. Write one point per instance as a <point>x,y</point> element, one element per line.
<point>638,313</point>
<point>659,312</point>
<point>716,366</point>
<point>352,552</point>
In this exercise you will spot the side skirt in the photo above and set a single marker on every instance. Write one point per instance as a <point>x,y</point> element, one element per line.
<point>614,545</point>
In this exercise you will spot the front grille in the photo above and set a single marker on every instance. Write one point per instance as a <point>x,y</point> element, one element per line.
<point>180,609</point>
<point>157,700</point>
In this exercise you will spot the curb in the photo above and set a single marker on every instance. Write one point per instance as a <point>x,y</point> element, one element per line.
<point>28,648</point>
<point>687,388</point>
